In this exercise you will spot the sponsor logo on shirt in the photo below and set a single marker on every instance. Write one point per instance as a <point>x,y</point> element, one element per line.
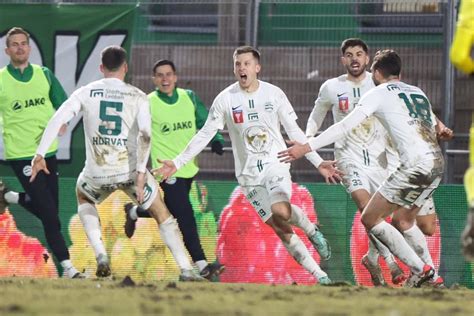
<point>96,93</point>
<point>344,104</point>
<point>18,106</point>
<point>253,116</point>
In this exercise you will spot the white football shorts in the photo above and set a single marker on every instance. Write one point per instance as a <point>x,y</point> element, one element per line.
<point>276,187</point>
<point>356,176</point>
<point>99,192</point>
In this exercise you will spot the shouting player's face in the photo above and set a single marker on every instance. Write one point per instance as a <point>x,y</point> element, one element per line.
<point>355,59</point>
<point>18,49</point>
<point>246,69</point>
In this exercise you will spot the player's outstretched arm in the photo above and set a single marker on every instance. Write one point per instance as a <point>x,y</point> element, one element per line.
<point>294,152</point>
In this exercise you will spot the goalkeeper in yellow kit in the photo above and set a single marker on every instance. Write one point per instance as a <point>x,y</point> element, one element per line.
<point>468,233</point>
<point>464,38</point>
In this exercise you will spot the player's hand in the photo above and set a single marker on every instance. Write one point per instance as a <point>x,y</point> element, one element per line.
<point>296,151</point>
<point>167,169</point>
<point>445,134</point>
<point>38,164</point>
<point>467,237</point>
<point>329,171</point>
<point>140,183</point>
<point>217,147</point>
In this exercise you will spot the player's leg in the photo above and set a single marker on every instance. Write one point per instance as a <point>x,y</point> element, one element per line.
<point>360,182</point>
<point>426,218</point>
<point>168,227</point>
<point>274,210</point>
<point>416,237</point>
<point>87,196</point>
<point>176,198</point>
<point>373,218</point>
<point>46,209</point>
<point>299,219</point>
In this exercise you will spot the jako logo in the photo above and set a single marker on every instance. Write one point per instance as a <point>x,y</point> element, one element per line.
<point>165,128</point>
<point>97,93</point>
<point>16,106</point>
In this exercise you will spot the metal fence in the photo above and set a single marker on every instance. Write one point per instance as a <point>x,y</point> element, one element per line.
<point>299,42</point>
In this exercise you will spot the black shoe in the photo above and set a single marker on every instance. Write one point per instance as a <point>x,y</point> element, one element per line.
<point>212,269</point>
<point>3,202</point>
<point>130,223</point>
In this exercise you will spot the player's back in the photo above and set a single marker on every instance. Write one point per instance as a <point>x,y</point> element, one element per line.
<point>110,108</point>
<point>406,113</point>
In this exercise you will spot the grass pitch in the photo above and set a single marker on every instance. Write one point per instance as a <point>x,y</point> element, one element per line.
<point>24,296</point>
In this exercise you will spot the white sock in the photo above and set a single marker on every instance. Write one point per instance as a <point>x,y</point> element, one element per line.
<point>299,219</point>
<point>393,239</point>
<point>90,220</point>
<point>373,253</point>
<point>69,270</point>
<point>12,197</point>
<point>201,264</point>
<point>417,241</point>
<point>133,213</point>
<point>171,236</point>
<point>300,253</point>
<point>383,251</point>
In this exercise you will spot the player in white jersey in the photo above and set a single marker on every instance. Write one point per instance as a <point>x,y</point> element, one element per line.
<point>361,156</point>
<point>253,111</point>
<point>406,114</point>
<point>117,129</point>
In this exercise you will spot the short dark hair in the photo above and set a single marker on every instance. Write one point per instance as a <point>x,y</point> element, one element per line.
<point>387,62</point>
<point>113,57</point>
<point>164,62</point>
<point>247,49</point>
<point>14,31</point>
<point>351,42</point>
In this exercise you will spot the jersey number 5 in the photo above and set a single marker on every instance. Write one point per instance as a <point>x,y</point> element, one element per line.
<point>110,119</point>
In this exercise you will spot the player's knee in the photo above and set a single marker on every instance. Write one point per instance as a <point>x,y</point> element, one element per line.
<point>282,210</point>
<point>428,229</point>
<point>367,221</point>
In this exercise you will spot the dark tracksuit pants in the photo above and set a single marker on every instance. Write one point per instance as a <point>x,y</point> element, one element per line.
<point>177,201</point>
<point>41,199</point>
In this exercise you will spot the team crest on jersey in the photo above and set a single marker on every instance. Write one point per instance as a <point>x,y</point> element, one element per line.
<point>238,116</point>
<point>268,107</point>
<point>258,139</point>
<point>344,104</point>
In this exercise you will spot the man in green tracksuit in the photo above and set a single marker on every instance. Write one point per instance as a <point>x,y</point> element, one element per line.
<point>29,95</point>
<point>177,114</point>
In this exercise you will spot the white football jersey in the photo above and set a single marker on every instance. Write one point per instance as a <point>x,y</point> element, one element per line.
<point>366,143</point>
<point>406,114</point>
<point>110,108</point>
<point>253,121</point>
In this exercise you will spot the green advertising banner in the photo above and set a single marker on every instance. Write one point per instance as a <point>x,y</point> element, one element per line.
<point>232,233</point>
<point>68,39</point>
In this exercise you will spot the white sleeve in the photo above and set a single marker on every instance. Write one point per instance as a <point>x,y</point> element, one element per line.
<point>288,119</point>
<point>338,130</point>
<point>321,106</point>
<point>214,122</point>
<point>69,109</point>
<point>144,134</point>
